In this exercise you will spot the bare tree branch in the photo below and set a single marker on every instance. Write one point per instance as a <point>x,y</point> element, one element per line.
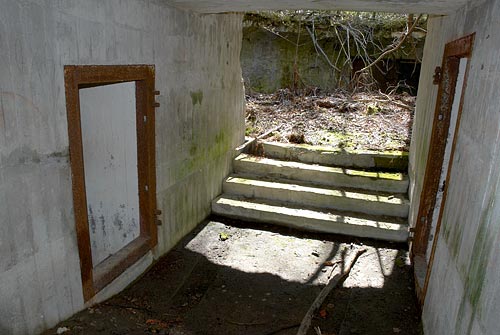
<point>391,49</point>
<point>318,48</point>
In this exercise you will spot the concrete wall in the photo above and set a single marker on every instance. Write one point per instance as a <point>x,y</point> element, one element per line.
<point>268,61</point>
<point>464,291</point>
<point>199,122</point>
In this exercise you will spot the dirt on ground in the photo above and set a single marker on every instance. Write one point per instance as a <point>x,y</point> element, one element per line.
<point>362,121</point>
<point>234,278</point>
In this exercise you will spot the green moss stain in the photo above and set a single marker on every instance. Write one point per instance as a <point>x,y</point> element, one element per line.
<point>219,146</point>
<point>193,149</point>
<point>392,161</point>
<point>474,275</point>
<point>376,175</point>
<point>196,97</point>
<point>483,247</point>
<point>277,63</point>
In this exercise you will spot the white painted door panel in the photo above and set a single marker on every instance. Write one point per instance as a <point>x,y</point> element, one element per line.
<point>108,121</point>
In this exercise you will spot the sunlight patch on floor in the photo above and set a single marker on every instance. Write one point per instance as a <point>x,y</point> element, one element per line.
<point>292,258</point>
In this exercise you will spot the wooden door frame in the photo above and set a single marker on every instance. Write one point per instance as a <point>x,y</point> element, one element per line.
<point>447,80</point>
<point>96,277</point>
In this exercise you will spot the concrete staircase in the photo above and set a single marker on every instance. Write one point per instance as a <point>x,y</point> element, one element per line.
<point>320,189</point>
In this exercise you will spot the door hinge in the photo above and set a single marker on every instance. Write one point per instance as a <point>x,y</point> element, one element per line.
<point>437,75</point>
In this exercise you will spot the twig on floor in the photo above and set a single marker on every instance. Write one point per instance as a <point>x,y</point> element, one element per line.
<point>333,269</point>
<point>317,330</point>
<point>390,101</point>
<point>276,331</point>
<point>269,132</point>
<point>337,280</point>
<point>127,307</point>
<point>246,323</point>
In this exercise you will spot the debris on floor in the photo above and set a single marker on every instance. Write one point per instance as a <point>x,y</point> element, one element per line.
<point>262,280</point>
<point>362,121</point>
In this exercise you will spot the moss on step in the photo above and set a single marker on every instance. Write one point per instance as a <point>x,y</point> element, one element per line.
<point>391,160</point>
<point>396,160</point>
<point>375,175</point>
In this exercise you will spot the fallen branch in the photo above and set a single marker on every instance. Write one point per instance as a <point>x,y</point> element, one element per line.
<point>390,101</point>
<point>337,280</point>
<point>269,132</point>
<point>318,48</point>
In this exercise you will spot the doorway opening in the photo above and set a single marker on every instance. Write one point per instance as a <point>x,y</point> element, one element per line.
<point>112,150</point>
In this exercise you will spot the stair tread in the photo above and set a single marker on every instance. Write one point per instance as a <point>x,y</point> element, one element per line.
<point>331,156</point>
<point>397,176</point>
<point>307,211</point>
<point>310,218</point>
<point>301,186</point>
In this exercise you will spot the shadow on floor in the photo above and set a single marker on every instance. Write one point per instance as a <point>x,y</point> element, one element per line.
<point>261,280</point>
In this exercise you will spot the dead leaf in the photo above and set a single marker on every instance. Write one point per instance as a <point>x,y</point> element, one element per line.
<point>323,313</point>
<point>157,323</point>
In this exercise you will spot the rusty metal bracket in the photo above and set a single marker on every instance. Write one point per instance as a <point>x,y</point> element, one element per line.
<point>156,104</point>
<point>437,75</point>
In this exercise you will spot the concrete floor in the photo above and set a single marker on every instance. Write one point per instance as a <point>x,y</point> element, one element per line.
<point>261,280</point>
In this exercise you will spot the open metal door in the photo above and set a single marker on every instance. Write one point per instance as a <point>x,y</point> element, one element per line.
<point>451,78</point>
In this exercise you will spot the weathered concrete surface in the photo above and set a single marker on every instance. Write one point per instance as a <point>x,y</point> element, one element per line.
<point>318,196</point>
<point>331,156</point>
<point>315,197</point>
<point>267,61</point>
<point>304,218</point>
<point>332,176</point>
<point>199,122</point>
<point>403,6</point>
<point>210,286</point>
<point>464,292</point>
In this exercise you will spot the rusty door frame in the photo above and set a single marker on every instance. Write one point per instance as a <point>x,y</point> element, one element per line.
<point>453,52</point>
<point>94,278</point>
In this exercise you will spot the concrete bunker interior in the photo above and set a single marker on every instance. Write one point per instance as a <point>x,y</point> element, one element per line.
<point>196,57</point>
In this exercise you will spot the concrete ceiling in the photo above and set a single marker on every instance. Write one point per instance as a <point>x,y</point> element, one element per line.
<point>397,6</point>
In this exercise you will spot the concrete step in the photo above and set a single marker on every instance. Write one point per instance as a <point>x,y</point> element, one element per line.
<point>364,159</point>
<point>321,175</point>
<point>370,202</point>
<point>311,219</point>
